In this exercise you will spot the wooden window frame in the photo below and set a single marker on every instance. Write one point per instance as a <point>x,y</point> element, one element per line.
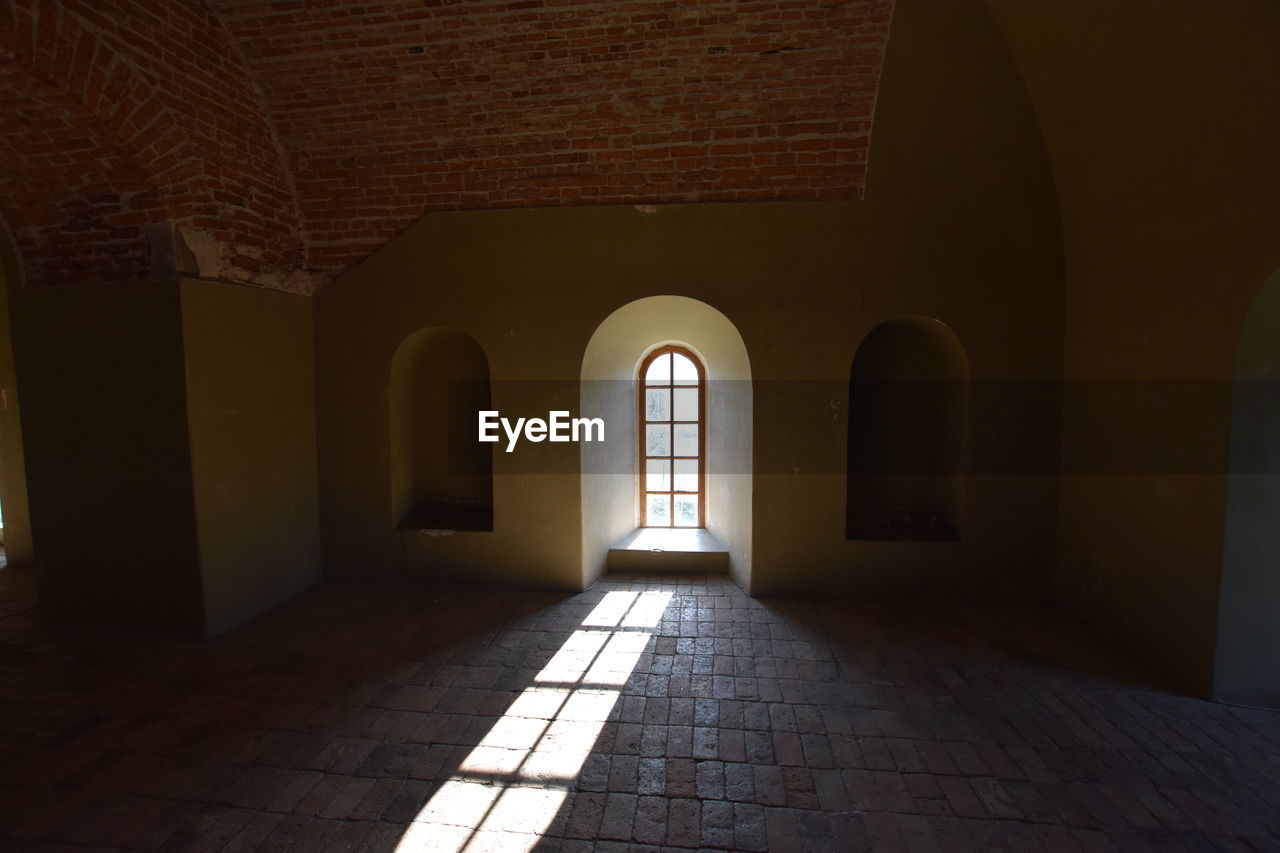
<point>642,441</point>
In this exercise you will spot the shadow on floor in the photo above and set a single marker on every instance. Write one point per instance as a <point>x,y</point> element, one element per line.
<point>349,718</point>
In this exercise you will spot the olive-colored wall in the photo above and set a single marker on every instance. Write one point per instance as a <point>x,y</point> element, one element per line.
<point>170,452</point>
<point>1160,121</point>
<point>19,549</point>
<point>908,430</point>
<point>250,407</point>
<point>1248,649</point>
<point>960,223</point>
<point>440,474</point>
<point>1154,188</point>
<point>108,472</point>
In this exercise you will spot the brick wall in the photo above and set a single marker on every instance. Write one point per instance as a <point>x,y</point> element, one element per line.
<point>133,116</point>
<point>397,107</point>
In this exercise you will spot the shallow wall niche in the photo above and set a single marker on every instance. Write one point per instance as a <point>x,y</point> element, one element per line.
<point>1245,670</point>
<point>908,415</point>
<point>13,473</point>
<point>441,477</point>
<point>609,485</point>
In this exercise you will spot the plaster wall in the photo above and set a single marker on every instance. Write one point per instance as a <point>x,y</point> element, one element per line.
<point>108,459</point>
<point>1160,123</point>
<point>19,549</point>
<point>250,407</point>
<point>908,423</point>
<point>439,384</point>
<point>170,452</point>
<point>960,223</point>
<point>1248,647</point>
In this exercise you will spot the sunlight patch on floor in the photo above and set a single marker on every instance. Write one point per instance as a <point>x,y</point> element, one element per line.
<point>510,787</point>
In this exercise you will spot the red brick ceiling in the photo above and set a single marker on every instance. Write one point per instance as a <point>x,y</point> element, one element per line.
<point>314,130</point>
<point>137,125</point>
<point>76,199</point>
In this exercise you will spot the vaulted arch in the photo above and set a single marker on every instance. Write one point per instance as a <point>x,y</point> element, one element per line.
<point>128,158</point>
<point>80,189</point>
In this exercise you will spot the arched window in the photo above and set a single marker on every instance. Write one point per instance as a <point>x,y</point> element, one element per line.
<point>672,442</point>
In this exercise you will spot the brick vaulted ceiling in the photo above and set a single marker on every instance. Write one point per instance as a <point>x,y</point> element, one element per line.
<point>314,130</point>
<point>132,130</point>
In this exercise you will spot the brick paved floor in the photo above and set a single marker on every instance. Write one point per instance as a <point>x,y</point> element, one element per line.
<point>641,714</point>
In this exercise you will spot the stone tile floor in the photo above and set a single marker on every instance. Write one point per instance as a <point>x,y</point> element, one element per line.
<point>645,713</point>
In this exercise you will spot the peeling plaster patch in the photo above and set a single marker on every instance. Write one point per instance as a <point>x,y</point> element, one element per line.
<point>205,255</point>
<point>286,281</point>
<point>196,253</point>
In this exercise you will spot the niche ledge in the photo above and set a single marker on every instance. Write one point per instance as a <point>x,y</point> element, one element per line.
<point>449,518</point>
<point>900,527</point>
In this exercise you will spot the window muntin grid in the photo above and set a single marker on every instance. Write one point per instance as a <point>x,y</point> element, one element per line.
<point>672,406</point>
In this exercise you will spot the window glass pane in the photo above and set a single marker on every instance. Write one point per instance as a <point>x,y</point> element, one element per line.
<point>686,475</point>
<point>685,371</point>
<point>686,511</point>
<point>685,404</point>
<point>659,372</point>
<point>659,510</point>
<point>686,439</point>
<point>657,440</point>
<point>657,405</point>
<point>671,486</point>
<point>657,475</point>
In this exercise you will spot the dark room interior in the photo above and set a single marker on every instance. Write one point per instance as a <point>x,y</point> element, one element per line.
<point>640,425</point>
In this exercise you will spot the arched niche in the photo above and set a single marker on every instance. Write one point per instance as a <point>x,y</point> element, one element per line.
<point>17,540</point>
<point>908,416</point>
<point>441,477</point>
<point>610,493</point>
<point>1248,647</point>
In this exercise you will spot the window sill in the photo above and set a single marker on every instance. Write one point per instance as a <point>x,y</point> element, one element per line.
<point>681,539</point>
<point>666,549</point>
